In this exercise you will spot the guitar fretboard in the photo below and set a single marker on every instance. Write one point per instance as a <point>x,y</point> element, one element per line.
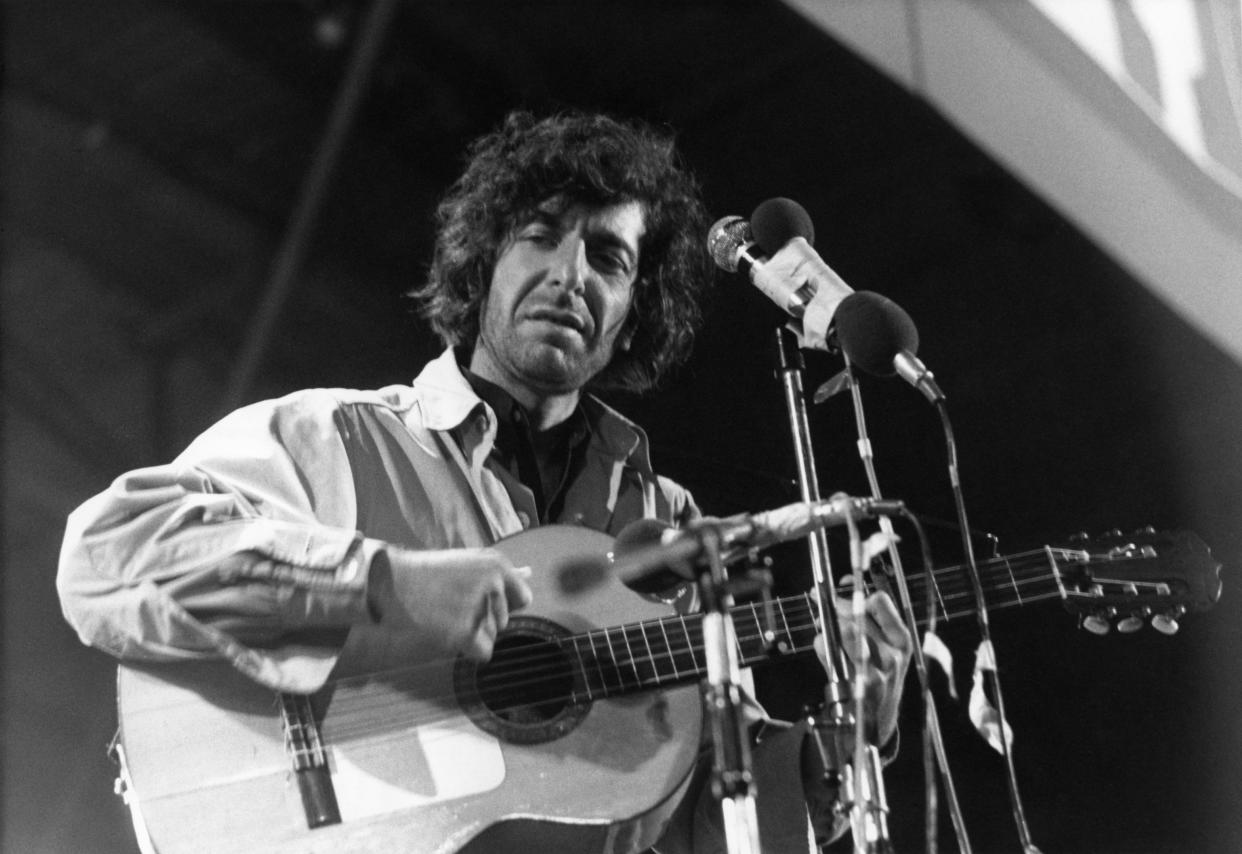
<point>658,653</point>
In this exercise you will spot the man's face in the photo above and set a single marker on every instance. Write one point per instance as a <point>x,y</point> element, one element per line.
<point>559,297</point>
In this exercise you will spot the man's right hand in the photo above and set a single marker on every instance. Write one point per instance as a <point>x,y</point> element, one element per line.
<point>463,596</point>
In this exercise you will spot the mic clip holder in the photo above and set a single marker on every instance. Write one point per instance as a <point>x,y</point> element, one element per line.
<point>732,776</point>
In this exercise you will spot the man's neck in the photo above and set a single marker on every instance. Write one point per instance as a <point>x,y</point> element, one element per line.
<point>543,409</point>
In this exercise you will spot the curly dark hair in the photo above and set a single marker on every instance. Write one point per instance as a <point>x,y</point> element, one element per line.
<point>583,159</point>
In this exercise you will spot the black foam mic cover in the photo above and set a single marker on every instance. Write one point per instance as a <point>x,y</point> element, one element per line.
<point>778,221</point>
<point>872,330</point>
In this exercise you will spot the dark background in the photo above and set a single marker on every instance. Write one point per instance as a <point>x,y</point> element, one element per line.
<point>156,156</point>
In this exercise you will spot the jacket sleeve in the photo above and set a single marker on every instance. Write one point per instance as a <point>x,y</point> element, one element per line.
<point>244,540</point>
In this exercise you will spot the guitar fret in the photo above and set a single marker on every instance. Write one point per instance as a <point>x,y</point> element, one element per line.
<point>1012,580</point>
<point>944,610</point>
<point>651,659</point>
<point>812,626</point>
<point>625,636</point>
<point>802,635</point>
<point>609,664</point>
<point>789,638</point>
<point>748,626</point>
<point>672,660</point>
<point>690,646</point>
<point>584,671</point>
<point>1056,572</point>
<point>598,661</point>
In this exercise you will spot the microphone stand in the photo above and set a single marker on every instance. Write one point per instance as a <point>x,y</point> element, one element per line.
<point>862,783</point>
<point>933,737</point>
<point>731,769</point>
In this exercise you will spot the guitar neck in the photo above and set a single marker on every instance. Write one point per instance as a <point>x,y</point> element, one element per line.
<point>658,653</point>
<point>1019,579</point>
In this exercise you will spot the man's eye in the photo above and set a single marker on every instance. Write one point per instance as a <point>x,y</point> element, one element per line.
<point>610,262</point>
<point>540,235</point>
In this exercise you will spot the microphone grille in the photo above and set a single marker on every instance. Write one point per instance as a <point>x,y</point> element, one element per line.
<point>725,238</point>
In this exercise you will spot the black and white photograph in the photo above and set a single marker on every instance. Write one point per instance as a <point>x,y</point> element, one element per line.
<point>621,426</point>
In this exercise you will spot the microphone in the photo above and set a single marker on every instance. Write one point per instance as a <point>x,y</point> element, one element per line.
<point>878,335</point>
<point>789,271</point>
<point>651,556</point>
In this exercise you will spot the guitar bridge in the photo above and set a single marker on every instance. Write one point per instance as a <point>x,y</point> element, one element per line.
<point>310,761</point>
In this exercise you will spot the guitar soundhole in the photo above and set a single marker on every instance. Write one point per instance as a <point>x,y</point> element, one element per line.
<point>525,693</point>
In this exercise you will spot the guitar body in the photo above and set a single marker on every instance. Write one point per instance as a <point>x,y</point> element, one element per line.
<point>421,759</point>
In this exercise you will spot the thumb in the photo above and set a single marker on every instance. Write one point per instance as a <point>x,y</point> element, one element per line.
<point>517,591</point>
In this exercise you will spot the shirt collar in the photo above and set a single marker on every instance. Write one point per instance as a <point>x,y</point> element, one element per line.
<point>447,399</point>
<point>507,409</point>
<point>511,415</point>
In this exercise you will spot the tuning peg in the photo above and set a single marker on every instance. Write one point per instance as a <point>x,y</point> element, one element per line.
<point>1134,622</point>
<point>1147,530</point>
<point>1115,532</point>
<point>1167,623</point>
<point>1079,537</point>
<point>1098,621</point>
<point>1096,624</point>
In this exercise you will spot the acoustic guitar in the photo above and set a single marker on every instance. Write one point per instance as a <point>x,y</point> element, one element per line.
<point>578,735</point>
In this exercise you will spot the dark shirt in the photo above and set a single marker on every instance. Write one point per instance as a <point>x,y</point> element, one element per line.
<point>544,461</point>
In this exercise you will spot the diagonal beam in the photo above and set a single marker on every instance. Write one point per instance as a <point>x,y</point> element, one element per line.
<point>292,250</point>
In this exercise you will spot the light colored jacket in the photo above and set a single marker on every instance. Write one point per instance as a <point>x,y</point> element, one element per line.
<point>269,520</point>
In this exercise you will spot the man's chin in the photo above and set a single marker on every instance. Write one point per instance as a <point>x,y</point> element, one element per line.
<point>552,369</point>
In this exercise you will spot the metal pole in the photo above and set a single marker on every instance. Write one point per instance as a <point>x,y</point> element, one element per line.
<point>293,245</point>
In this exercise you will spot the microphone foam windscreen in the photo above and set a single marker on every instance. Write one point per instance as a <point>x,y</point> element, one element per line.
<point>778,221</point>
<point>872,329</point>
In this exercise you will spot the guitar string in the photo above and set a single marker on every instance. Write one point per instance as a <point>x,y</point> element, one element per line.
<point>692,643</point>
<point>690,640</point>
<point>537,663</point>
<point>945,578</point>
<point>949,597</point>
<point>359,718</point>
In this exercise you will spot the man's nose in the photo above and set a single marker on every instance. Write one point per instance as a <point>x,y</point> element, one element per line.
<point>569,267</point>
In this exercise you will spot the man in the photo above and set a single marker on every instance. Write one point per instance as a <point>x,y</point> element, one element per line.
<point>569,256</point>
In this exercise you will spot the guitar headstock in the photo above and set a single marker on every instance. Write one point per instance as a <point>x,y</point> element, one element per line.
<point>1128,579</point>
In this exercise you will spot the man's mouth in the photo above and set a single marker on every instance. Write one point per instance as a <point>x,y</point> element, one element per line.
<point>560,317</point>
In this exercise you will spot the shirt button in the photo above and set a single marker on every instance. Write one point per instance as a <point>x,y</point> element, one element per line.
<point>524,518</point>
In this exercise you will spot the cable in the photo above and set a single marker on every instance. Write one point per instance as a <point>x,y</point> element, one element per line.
<point>1015,798</point>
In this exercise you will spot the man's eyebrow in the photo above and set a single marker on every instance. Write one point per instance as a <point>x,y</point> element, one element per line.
<point>614,240</point>
<point>545,217</point>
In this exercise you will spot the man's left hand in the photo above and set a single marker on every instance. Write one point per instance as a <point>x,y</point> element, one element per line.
<point>885,658</point>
